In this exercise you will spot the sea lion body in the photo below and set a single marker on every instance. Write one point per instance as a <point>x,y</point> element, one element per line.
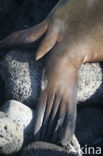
<point>74,34</point>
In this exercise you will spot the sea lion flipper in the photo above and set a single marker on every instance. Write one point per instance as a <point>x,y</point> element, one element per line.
<point>63,127</point>
<point>58,122</point>
<point>48,43</point>
<point>55,117</point>
<point>25,36</point>
<point>54,125</point>
<point>69,127</point>
<point>53,120</point>
<point>39,115</point>
<point>47,114</point>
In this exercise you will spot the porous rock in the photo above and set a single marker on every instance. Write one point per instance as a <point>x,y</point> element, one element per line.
<point>90,85</point>
<point>23,115</point>
<point>21,76</point>
<point>11,135</point>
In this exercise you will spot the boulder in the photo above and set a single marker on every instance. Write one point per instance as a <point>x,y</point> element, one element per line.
<point>21,76</point>
<point>90,85</point>
<point>11,135</point>
<point>43,148</point>
<point>23,115</point>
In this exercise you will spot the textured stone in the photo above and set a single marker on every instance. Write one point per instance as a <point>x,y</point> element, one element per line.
<point>90,86</point>
<point>11,135</point>
<point>21,76</point>
<point>43,148</point>
<point>23,115</point>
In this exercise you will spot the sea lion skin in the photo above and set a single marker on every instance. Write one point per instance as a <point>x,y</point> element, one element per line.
<point>74,34</point>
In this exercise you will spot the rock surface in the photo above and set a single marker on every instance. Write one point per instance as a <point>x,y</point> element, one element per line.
<point>11,135</point>
<point>21,76</point>
<point>22,115</point>
<point>25,118</point>
<point>41,148</point>
<point>90,85</point>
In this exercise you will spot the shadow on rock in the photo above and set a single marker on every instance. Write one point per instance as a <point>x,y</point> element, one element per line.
<point>41,148</point>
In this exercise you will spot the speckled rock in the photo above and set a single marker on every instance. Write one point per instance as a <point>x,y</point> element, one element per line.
<point>43,148</point>
<point>21,76</point>
<point>11,135</point>
<point>23,115</point>
<point>90,85</point>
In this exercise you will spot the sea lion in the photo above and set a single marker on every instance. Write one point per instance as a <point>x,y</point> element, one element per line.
<point>74,34</point>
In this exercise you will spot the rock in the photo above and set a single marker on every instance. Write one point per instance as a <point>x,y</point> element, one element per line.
<point>21,76</point>
<point>23,115</point>
<point>89,128</point>
<point>11,135</point>
<point>90,85</point>
<point>2,96</point>
<point>43,148</point>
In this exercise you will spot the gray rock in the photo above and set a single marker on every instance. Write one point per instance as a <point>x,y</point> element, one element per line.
<point>11,135</point>
<point>43,148</point>
<point>90,85</point>
<point>23,115</point>
<point>21,76</point>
